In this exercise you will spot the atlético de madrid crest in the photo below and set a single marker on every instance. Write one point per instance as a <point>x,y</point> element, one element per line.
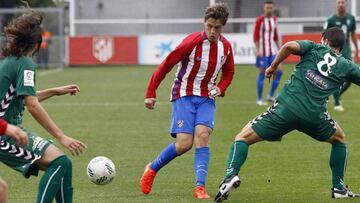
<point>103,48</point>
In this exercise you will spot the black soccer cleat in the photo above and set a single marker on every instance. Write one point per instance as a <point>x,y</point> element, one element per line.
<point>226,187</point>
<point>344,193</point>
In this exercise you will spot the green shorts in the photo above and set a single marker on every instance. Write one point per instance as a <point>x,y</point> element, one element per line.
<point>279,120</point>
<point>23,159</point>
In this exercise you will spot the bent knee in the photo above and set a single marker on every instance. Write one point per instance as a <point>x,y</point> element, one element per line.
<point>66,161</point>
<point>203,135</point>
<point>183,146</point>
<point>248,135</point>
<point>338,138</point>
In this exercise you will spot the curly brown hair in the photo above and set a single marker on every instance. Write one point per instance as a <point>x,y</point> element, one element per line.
<point>22,35</point>
<point>217,11</point>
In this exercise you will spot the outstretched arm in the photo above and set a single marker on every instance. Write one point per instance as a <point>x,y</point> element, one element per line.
<point>42,117</point>
<point>57,91</point>
<point>286,50</point>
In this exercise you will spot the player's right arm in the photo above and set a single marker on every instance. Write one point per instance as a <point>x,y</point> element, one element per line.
<point>292,47</point>
<point>43,95</point>
<point>179,53</point>
<point>256,36</point>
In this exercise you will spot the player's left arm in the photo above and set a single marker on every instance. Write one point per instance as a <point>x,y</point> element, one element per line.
<point>57,91</point>
<point>227,74</point>
<point>353,37</point>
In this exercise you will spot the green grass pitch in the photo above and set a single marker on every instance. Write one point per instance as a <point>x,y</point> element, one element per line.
<point>109,116</point>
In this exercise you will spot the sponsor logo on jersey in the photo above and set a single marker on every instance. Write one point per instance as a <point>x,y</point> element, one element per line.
<point>29,78</point>
<point>316,79</point>
<point>103,48</point>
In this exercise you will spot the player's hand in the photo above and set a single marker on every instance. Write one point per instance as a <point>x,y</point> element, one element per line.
<point>270,71</point>
<point>75,147</point>
<point>18,134</point>
<point>214,92</point>
<point>150,103</point>
<point>258,53</point>
<point>67,89</point>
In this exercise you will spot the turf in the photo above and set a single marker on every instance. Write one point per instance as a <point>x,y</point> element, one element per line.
<point>109,116</point>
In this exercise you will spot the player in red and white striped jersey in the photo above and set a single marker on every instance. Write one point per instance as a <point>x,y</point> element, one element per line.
<point>201,57</point>
<point>266,41</point>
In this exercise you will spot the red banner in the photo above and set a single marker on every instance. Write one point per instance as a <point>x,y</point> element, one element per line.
<point>103,50</point>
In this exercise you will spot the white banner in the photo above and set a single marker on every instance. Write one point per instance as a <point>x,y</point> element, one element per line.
<point>153,49</point>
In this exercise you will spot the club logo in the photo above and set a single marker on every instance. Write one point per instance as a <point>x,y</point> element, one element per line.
<point>180,123</point>
<point>103,48</point>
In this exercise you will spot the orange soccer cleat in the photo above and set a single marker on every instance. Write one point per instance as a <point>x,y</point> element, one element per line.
<point>147,179</point>
<point>200,193</point>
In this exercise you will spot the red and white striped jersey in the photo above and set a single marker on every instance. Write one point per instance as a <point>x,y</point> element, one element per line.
<point>266,34</point>
<point>200,63</point>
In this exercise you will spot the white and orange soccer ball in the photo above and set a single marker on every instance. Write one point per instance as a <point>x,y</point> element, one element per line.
<point>101,170</point>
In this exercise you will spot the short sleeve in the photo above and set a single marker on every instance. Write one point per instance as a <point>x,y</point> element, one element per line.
<point>25,80</point>
<point>305,46</point>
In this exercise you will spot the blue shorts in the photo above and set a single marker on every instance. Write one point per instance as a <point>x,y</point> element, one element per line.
<point>190,111</point>
<point>264,62</point>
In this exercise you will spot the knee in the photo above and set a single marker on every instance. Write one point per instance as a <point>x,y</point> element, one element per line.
<point>338,137</point>
<point>248,135</point>
<point>202,138</point>
<point>67,162</point>
<point>183,146</point>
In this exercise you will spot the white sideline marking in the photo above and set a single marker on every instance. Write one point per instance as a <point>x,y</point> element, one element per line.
<point>49,72</point>
<point>137,103</point>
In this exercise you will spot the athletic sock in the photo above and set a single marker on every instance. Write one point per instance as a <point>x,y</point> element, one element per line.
<point>50,182</point>
<point>65,193</point>
<point>338,161</point>
<point>260,85</point>
<point>237,156</point>
<point>201,165</point>
<point>337,98</point>
<point>275,83</point>
<point>167,154</point>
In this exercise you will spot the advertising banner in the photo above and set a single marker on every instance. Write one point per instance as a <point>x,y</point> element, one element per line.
<point>103,50</point>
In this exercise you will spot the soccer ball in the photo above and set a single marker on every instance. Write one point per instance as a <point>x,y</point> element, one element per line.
<point>101,170</point>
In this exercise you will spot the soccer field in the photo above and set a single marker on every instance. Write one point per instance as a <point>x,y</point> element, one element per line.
<point>109,116</point>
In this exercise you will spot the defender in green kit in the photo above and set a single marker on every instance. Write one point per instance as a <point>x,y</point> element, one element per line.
<point>17,92</point>
<point>347,23</point>
<point>301,105</point>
